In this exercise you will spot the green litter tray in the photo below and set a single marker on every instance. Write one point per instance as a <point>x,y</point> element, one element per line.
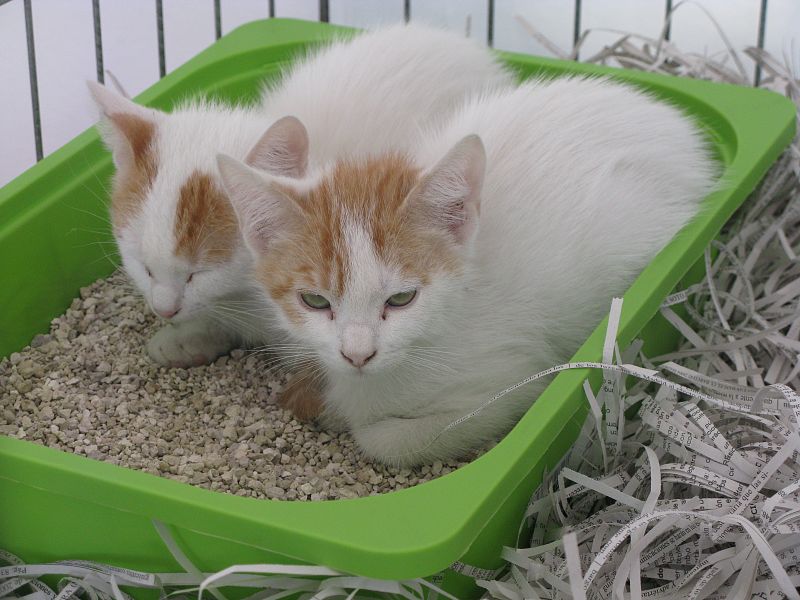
<point>54,505</point>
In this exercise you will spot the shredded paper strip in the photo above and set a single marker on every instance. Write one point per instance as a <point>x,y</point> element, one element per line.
<point>685,481</point>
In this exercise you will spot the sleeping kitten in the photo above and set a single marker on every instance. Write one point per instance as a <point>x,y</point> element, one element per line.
<point>426,282</point>
<point>177,234</point>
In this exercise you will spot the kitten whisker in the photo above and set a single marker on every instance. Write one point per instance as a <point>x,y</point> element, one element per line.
<point>311,375</point>
<point>288,361</point>
<point>226,320</point>
<point>432,367</point>
<point>433,362</point>
<point>97,216</point>
<point>279,347</point>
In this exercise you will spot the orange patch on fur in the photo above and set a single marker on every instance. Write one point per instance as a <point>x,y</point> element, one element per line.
<point>372,194</point>
<point>205,224</point>
<point>302,396</point>
<point>131,183</point>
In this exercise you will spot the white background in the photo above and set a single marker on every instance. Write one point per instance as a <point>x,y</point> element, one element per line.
<point>63,31</point>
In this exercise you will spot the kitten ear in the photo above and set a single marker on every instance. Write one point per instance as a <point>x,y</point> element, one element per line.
<point>261,205</point>
<point>126,127</point>
<point>449,194</point>
<point>282,150</point>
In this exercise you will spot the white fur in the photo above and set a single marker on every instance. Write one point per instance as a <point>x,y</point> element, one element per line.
<point>586,180</point>
<point>354,97</point>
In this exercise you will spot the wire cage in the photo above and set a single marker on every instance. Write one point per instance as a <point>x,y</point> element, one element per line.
<point>492,21</point>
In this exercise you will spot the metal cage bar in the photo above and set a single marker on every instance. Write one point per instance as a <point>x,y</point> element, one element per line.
<point>98,41</point>
<point>324,16</point>
<point>162,60</point>
<point>762,31</point>
<point>667,11</point>
<point>37,117</point>
<point>576,25</point>
<point>490,23</point>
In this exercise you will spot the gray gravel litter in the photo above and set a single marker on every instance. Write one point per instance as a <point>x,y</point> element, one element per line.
<point>88,387</point>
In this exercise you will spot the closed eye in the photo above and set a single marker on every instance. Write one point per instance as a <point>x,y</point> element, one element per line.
<point>195,273</point>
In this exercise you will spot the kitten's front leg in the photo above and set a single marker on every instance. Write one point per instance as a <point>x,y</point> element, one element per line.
<point>190,343</point>
<point>413,441</point>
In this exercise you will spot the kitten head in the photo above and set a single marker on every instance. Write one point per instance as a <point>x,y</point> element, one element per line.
<point>365,258</point>
<point>176,231</point>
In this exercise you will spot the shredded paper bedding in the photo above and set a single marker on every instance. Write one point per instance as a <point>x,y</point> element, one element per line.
<point>685,480</point>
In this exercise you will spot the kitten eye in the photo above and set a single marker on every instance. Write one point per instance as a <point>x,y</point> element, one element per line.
<point>401,299</point>
<point>149,273</point>
<point>189,278</point>
<point>315,301</point>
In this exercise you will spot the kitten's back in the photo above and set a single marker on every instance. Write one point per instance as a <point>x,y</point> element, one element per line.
<point>586,181</point>
<point>358,111</point>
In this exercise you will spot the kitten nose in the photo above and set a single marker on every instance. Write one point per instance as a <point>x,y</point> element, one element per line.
<point>165,300</point>
<point>358,359</point>
<point>357,344</point>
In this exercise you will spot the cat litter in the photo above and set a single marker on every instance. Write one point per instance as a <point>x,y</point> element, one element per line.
<point>89,387</point>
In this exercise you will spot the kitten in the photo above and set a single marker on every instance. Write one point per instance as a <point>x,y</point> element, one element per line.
<point>426,282</point>
<point>177,234</point>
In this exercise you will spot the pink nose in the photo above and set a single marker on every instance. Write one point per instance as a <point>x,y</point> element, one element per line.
<point>167,314</point>
<point>358,359</point>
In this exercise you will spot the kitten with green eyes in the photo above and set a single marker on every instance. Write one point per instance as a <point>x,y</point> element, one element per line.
<point>426,282</point>
<point>176,232</point>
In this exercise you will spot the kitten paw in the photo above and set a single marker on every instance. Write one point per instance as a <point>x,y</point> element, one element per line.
<point>406,442</point>
<point>391,441</point>
<point>186,346</point>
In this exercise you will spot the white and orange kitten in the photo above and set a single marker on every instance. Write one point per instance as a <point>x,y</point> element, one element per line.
<point>427,281</point>
<point>176,232</point>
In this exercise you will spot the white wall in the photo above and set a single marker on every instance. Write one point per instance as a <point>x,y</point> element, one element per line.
<point>63,31</point>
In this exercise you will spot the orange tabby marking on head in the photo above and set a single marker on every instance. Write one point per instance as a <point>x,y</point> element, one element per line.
<point>131,183</point>
<point>205,224</point>
<point>372,194</point>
